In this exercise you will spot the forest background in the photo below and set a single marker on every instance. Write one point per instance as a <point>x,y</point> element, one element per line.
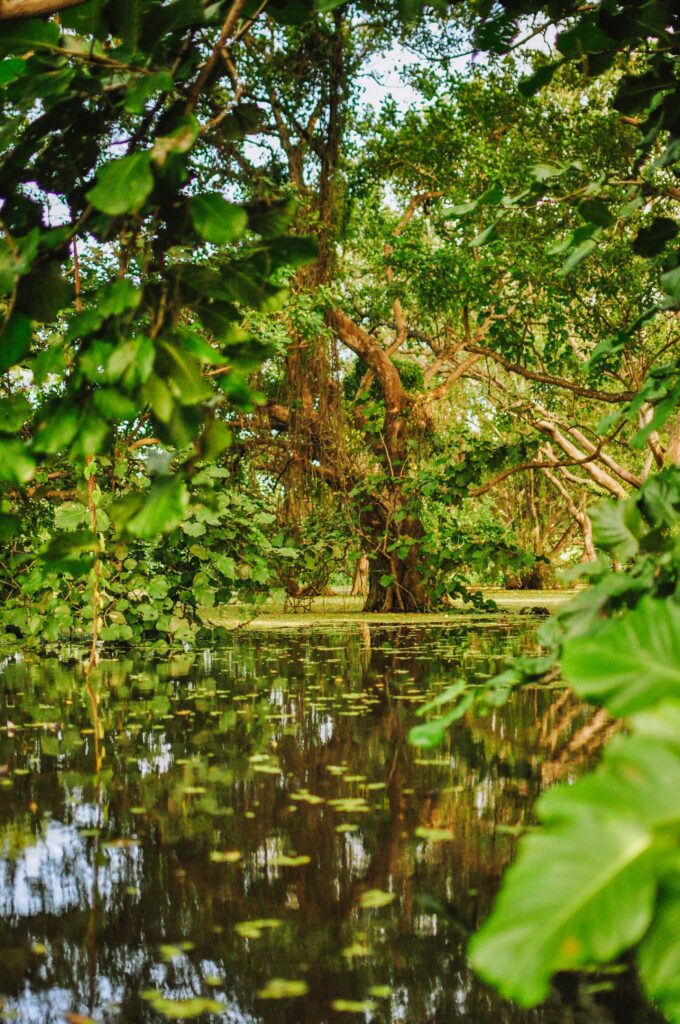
<point>257,336</point>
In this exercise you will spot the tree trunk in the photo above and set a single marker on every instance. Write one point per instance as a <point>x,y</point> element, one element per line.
<point>360,584</point>
<point>396,584</point>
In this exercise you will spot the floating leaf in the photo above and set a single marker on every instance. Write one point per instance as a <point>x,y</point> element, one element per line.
<point>353,1005</point>
<point>285,861</point>
<point>280,988</point>
<point>375,898</point>
<point>182,1009</point>
<point>225,856</point>
<point>254,929</point>
<point>380,991</point>
<point>434,835</point>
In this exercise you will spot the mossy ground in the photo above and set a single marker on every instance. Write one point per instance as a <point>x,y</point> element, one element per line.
<point>342,608</point>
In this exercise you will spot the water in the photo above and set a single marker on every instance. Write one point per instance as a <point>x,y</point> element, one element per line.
<point>260,819</point>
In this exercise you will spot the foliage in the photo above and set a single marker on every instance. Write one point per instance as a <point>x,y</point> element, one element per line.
<point>150,590</point>
<point>597,878</point>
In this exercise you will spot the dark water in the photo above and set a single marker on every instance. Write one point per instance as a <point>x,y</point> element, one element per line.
<point>256,819</point>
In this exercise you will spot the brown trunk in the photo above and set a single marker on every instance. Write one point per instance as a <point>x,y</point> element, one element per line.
<point>360,584</point>
<point>405,590</point>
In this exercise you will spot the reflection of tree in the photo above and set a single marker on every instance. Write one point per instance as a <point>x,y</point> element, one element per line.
<point>178,740</point>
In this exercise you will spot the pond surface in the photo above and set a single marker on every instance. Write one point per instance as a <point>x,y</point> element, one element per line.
<point>262,844</point>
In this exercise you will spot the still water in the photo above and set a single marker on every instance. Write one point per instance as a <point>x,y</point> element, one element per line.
<point>261,843</point>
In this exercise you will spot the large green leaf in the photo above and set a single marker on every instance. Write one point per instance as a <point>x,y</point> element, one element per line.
<point>216,220</point>
<point>630,663</point>
<point>578,892</point>
<point>583,889</point>
<point>123,185</point>
<point>18,37</point>
<point>16,337</point>
<point>16,465</point>
<point>616,527</point>
<point>659,954</point>
<point>158,511</point>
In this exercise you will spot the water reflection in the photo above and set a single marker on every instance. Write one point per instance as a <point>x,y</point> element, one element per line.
<point>260,815</point>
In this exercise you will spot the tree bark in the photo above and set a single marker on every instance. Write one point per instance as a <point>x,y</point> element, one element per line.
<point>405,591</point>
<point>360,584</point>
<point>387,521</point>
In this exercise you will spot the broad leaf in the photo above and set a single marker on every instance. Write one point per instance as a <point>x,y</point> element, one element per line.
<point>630,663</point>
<point>578,892</point>
<point>123,186</point>
<point>216,220</point>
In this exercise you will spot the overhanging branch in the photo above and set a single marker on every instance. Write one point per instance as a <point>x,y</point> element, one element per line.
<point>34,8</point>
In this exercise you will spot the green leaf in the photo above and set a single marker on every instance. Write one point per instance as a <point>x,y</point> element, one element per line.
<point>487,235</point>
<point>585,37</point>
<point>630,663</point>
<point>670,282</point>
<point>57,430</point>
<point>282,988</point>
<point>596,212</point>
<point>117,297</point>
<point>542,172</point>
<point>123,185</point>
<point>9,527</point>
<point>70,516</point>
<point>32,34</point>
<point>157,511</point>
<point>180,140</point>
<point>43,294</point>
<point>113,405</point>
<point>373,899</point>
<point>69,544</point>
<point>216,220</point>
<point>137,93</point>
<point>16,465</point>
<point>461,209</point>
<point>650,241</point>
<point>617,526</point>
<point>182,1009</point>
<point>541,77</point>
<point>14,411</point>
<point>11,69</point>
<point>15,340</point>
<point>432,734</point>
<point>658,957</point>
<point>578,255</point>
<point>637,92</point>
<point>578,892</point>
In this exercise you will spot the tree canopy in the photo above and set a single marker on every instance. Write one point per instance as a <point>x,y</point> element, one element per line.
<point>260,335</point>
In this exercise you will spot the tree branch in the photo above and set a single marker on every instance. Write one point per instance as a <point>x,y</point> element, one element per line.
<point>10,9</point>
<point>613,397</point>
